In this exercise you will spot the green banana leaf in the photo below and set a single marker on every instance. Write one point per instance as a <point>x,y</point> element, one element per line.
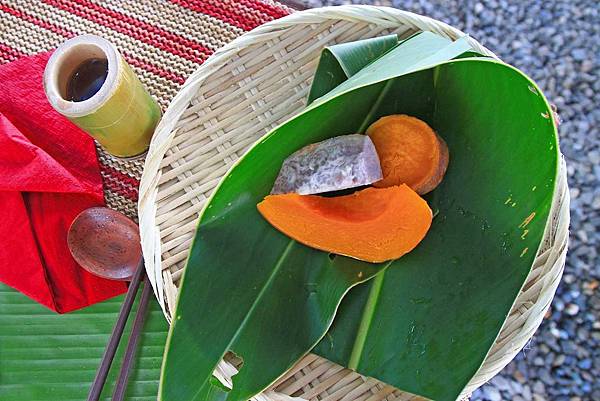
<point>339,62</point>
<point>49,357</point>
<point>251,290</point>
<point>426,324</point>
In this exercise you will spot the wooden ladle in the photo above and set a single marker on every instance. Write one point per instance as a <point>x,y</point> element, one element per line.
<point>107,243</point>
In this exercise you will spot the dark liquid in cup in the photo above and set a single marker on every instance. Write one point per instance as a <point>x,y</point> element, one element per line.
<point>87,79</point>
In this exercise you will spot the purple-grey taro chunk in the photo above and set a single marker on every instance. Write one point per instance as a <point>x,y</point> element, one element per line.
<point>346,161</point>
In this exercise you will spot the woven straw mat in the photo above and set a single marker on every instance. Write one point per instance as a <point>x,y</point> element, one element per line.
<point>163,41</point>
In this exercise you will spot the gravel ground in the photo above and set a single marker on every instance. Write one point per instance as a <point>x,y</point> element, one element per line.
<point>557,43</point>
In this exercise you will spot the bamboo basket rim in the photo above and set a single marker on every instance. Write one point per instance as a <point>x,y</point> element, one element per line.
<point>529,307</point>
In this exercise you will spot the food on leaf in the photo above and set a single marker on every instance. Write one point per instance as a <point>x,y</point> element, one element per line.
<point>374,224</point>
<point>342,162</point>
<point>410,153</point>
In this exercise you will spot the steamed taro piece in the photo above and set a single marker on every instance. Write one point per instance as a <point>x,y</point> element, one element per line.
<point>342,162</point>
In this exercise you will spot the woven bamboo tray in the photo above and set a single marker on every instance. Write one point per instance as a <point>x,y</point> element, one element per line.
<point>239,94</point>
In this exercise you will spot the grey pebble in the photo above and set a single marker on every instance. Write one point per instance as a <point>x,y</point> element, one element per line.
<point>559,360</point>
<point>587,376</point>
<point>594,157</point>
<point>516,387</point>
<point>539,388</point>
<point>585,364</point>
<point>501,383</point>
<point>546,378</point>
<point>492,393</point>
<point>587,65</point>
<point>572,309</point>
<point>578,54</point>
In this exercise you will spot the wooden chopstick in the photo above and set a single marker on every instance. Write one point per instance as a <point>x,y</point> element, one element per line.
<point>117,333</point>
<point>138,325</point>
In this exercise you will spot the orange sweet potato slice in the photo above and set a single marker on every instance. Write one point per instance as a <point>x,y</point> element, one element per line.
<point>374,225</point>
<point>410,153</point>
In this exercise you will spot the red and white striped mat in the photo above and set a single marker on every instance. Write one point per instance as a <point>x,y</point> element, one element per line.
<point>163,40</point>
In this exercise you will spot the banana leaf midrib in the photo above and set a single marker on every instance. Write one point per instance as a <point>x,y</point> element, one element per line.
<point>366,320</point>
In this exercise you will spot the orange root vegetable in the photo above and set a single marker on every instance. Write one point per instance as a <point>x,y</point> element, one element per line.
<point>374,225</point>
<point>410,153</point>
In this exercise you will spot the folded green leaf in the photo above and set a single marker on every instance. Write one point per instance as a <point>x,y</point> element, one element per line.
<point>419,52</point>
<point>250,289</point>
<point>339,62</point>
<point>426,324</point>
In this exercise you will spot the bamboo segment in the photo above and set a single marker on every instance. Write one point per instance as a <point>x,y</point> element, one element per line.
<point>121,116</point>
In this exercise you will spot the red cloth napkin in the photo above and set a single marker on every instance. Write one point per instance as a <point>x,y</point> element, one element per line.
<point>48,175</point>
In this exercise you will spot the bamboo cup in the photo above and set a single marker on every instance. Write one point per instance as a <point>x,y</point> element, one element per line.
<point>121,116</point>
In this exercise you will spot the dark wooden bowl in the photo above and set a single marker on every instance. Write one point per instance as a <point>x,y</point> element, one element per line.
<point>105,243</point>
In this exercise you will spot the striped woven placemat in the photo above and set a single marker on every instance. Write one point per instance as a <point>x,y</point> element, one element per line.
<point>164,41</point>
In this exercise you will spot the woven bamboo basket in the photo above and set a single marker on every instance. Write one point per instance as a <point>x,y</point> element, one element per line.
<point>239,94</point>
